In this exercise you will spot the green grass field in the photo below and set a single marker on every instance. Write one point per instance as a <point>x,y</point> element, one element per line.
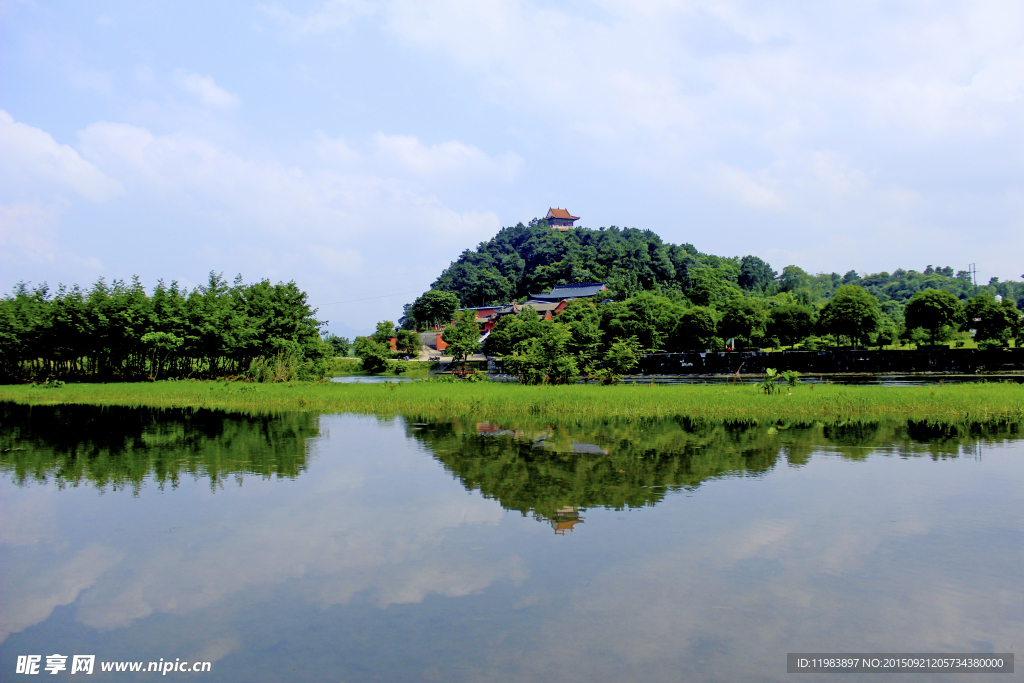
<point>344,367</point>
<point>946,403</point>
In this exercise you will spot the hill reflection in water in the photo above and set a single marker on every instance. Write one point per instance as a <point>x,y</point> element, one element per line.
<point>555,472</point>
<point>304,547</point>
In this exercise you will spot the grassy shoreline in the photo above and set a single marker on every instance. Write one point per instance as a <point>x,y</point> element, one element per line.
<point>949,403</point>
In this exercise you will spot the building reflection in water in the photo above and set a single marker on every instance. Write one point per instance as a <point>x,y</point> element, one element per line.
<point>565,519</point>
<point>555,472</point>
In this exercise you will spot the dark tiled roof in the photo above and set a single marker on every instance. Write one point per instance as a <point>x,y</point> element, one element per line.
<point>542,306</point>
<point>580,289</point>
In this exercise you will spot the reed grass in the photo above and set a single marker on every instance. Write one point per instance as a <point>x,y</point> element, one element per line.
<point>944,403</point>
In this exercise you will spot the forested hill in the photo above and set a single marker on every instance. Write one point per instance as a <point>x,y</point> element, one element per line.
<point>532,258</point>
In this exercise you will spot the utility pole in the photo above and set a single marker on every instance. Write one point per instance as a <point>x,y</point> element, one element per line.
<point>974,273</point>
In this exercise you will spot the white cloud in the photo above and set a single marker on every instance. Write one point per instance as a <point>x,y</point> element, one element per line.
<point>97,81</point>
<point>837,102</point>
<point>652,68</point>
<point>29,225</point>
<point>449,159</point>
<point>205,90</point>
<point>31,598</point>
<point>33,163</point>
<point>327,536</point>
<point>742,187</point>
<point>321,203</point>
<point>332,15</point>
<point>334,151</point>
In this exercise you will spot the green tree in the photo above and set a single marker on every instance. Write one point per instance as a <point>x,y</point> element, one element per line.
<point>623,355</point>
<point>583,319</point>
<point>463,335</point>
<point>408,342</point>
<point>434,309</point>
<point>936,311</point>
<point>162,344</point>
<point>790,323</point>
<point>695,330</point>
<point>993,322</point>
<point>743,320</point>
<point>340,346</point>
<point>512,329</point>
<point>544,359</point>
<point>375,354</point>
<point>647,316</point>
<point>852,312</point>
<point>793,278</point>
<point>709,286</point>
<point>755,274</point>
<point>384,332</point>
<point>115,331</point>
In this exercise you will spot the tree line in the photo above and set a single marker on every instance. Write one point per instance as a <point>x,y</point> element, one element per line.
<point>527,259</point>
<point>601,340</point>
<point>119,332</point>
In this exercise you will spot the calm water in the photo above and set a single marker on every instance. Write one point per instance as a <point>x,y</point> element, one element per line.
<point>370,379</point>
<point>875,380</point>
<point>344,548</point>
<point>892,380</point>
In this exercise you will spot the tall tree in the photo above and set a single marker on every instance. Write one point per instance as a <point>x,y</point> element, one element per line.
<point>463,336</point>
<point>709,286</point>
<point>409,342</point>
<point>434,309</point>
<point>937,312</point>
<point>793,278</point>
<point>755,274</point>
<point>341,346</point>
<point>695,330</point>
<point>742,319</point>
<point>647,316</point>
<point>374,353</point>
<point>790,323</point>
<point>512,329</point>
<point>583,319</point>
<point>852,312</point>
<point>546,358</point>
<point>993,322</point>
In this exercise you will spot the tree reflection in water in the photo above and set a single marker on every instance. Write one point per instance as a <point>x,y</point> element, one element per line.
<point>553,471</point>
<point>556,471</point>
<point>121,448</point>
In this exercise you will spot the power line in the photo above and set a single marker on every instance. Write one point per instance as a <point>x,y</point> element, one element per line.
<point>381,296</point>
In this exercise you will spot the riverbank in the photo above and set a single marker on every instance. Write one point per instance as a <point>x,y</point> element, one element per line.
<point>946,403</point>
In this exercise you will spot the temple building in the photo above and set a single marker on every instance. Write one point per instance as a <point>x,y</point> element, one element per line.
<point>579,290</point>
<point>560,219</point>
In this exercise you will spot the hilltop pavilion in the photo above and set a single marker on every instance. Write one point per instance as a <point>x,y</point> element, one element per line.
<point>560,219</point>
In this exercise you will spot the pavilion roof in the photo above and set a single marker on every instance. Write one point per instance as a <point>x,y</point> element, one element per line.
<point>561,213</point>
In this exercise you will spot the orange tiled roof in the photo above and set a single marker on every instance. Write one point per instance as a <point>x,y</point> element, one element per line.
<point>561,213</point>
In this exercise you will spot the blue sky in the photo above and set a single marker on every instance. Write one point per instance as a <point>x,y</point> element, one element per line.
<point>358,147</point>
